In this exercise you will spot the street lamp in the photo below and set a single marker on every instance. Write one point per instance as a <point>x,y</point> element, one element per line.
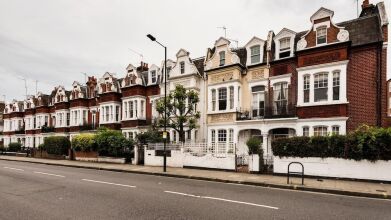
<point>152,38</point>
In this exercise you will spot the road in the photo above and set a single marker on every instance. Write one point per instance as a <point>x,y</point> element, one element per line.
<point>35,191</point>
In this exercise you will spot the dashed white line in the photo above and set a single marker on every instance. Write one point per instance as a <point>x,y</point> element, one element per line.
<point>49,174</point>
<point>11,168</point>
<point>115,184</point>
<point>221,199</point>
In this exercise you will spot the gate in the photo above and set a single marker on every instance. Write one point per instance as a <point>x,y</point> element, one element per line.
<point>242,163</point>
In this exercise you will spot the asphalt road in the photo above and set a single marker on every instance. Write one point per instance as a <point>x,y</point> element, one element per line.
<point>34,191</point>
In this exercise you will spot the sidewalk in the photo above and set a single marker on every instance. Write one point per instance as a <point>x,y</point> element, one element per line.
<point>343,187</point>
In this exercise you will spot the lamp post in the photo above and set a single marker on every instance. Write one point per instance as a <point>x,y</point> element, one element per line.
<point>152,38</point>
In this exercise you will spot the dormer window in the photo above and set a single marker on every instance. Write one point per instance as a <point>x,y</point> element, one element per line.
<point>255,54</point>
<point>285,47</point>
<point>321,35</point>
<point>153,76</point>
<point>222,58</point>
<point>182,67</point>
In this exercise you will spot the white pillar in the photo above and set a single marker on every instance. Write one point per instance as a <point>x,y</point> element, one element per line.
<point>265,144</point>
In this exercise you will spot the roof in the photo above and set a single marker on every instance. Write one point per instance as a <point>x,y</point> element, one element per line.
<point>199,63</point>
<point>363,30</point>
<point>242,54</point>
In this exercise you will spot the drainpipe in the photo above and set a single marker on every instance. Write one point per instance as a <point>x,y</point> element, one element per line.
<point>379,84</point>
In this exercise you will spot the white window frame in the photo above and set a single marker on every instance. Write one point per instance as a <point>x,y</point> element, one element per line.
<point>319,31</point>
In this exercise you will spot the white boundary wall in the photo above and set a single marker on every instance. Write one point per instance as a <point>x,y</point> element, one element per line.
<point>335,167</point>
<point>216,156</point>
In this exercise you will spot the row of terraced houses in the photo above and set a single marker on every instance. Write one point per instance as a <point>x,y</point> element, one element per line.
<point>330,78</point>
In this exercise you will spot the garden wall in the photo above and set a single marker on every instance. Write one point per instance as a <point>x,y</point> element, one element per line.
<point>336,167</point>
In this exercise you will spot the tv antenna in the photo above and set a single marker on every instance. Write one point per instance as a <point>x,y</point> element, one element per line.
<point>224,29</point>
<point>25,84</point>
<point>85,76</point>
<point>141,56</point>
<point>36,87</point>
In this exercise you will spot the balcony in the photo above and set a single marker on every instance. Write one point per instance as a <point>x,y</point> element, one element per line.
<point>46,129</point>
<point>20,131</point>
<point>277,111</point>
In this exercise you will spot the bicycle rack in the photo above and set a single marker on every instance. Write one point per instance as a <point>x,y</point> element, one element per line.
<point>302,172</point>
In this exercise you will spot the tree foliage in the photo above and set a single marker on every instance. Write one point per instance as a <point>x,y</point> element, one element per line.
<point>181,110</point>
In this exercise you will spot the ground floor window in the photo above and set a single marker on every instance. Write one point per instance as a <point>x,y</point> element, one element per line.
<point>335,129</point>
<point>306,131</point>
<point>320,130</point>
<point>222,136</point>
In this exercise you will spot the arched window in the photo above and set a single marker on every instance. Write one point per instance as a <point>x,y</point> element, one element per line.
<point>321,35</point>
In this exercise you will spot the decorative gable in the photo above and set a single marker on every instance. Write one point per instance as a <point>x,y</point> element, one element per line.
<point>77,92</point>
<point>183,61</point>
<point>323,31</point>
<point>221,47</point>
<point>107,83</point>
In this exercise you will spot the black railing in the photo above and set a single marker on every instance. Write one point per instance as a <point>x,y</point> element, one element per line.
<point>20,131</point>
<point>47,129</point>
<point>276,111</point>
<point>87,127</point>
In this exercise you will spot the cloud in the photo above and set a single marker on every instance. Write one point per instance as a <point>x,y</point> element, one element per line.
<point>54,41</point>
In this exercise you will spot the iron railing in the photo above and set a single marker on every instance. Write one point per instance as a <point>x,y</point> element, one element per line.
<point>277,111</point>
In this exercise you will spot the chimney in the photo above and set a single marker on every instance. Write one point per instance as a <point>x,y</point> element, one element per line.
<point>365,4</point>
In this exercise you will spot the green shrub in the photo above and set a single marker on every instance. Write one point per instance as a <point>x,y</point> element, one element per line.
<point>112,143</point>
<point>14,147</point>
<point>318,147</point>
<point>254,145</point>
<point>150,136</point>
<point>369,143</point>
<point>57,145</point>
<point>84,142</point>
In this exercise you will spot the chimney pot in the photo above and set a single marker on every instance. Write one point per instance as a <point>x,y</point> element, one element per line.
<point>365,4</point>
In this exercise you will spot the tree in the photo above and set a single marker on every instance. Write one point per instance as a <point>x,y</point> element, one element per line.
<point>181,110</point>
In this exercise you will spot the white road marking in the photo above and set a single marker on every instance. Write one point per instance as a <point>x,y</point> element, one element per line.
<point>49,174</point>
<point>115,184</point>
<point>10,168</point>
<point>182,194</point>
<point>221,199</point>
<point>240,202</point>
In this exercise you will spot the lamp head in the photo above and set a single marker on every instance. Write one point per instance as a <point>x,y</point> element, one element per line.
<point>151,37</point>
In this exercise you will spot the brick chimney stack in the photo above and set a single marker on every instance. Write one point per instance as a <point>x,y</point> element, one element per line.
<point>365,4</point>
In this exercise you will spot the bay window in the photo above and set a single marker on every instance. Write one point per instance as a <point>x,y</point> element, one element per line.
<point>255,54</point>
<point>320,130</point>
<point>222,136</point>
<point>320,87</point>
<point>231,97</point>
<point>258,101</point>
<point>306,131</point>
<point>335,130</point>
<point>280,97</point>
<point>336,79</point>
<point>222,98</point>
<point>213,99</point>
<point>213,136</point>
<point>306,88</point>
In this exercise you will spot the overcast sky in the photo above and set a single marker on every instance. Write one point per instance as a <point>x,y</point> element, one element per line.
<point>55,41</point>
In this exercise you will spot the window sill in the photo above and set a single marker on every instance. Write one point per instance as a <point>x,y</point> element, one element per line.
<point>322,103</point>
<point>221,112</point>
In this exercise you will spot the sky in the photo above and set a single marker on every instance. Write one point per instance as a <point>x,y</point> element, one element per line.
<point>55,42</point>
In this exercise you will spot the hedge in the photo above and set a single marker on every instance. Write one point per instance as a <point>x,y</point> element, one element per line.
<point>366,142</point>
<point>84,142</point>
<point>112,143</point>
<point>14,147</point>
<point>56,145</point>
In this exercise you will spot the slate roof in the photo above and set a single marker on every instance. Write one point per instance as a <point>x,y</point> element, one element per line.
<point>242,54</point>
<point>199,63</point>
<point>363,30</point>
